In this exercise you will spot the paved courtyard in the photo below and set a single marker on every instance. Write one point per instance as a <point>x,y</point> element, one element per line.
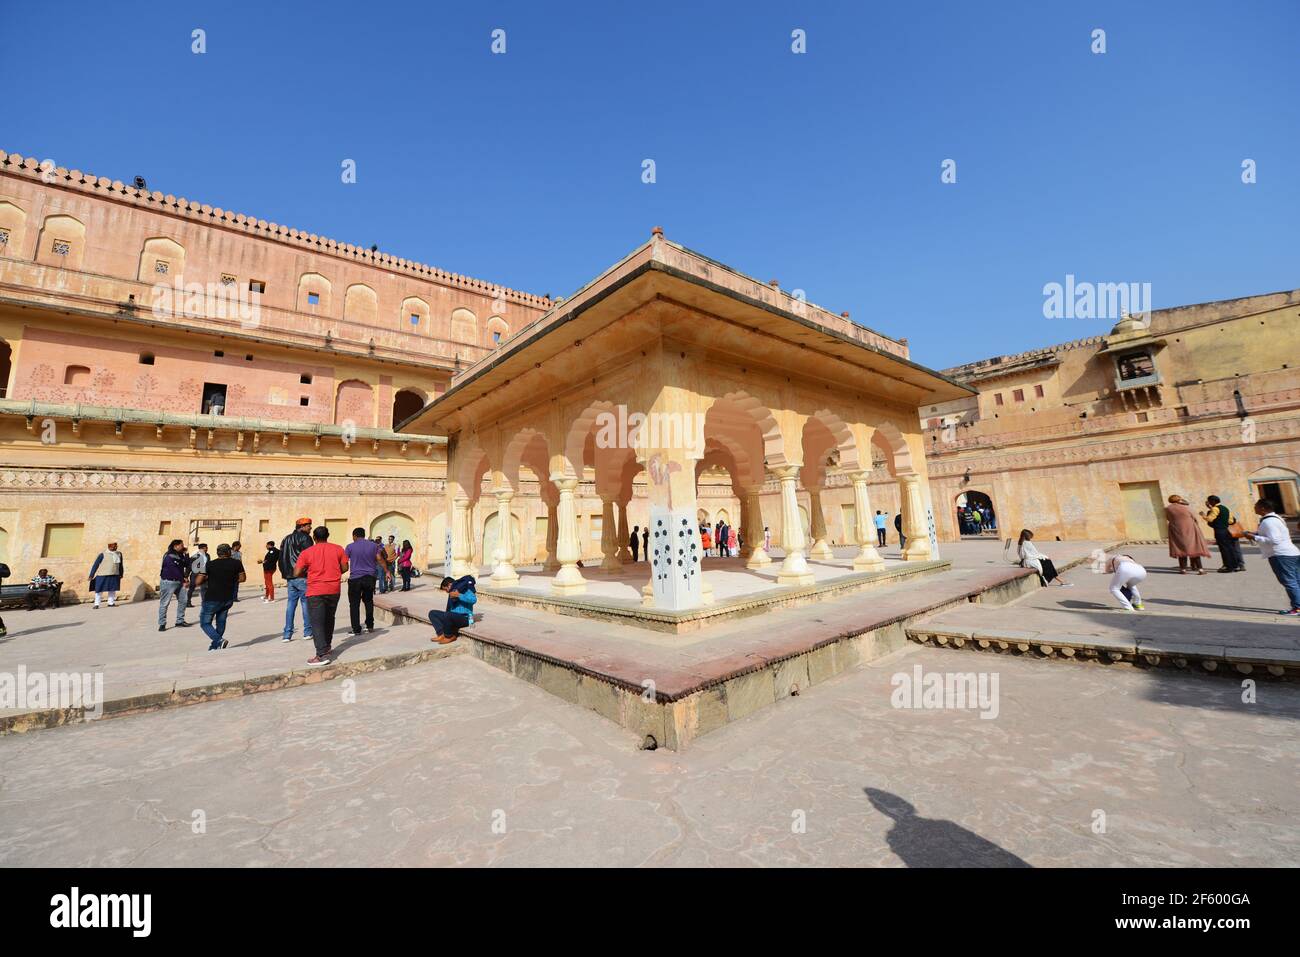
<point>453,762</point>
<point>1211,611</point>
<point>450,761</point>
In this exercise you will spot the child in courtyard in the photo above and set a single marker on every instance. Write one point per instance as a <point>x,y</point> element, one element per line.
<point>1125,574</point>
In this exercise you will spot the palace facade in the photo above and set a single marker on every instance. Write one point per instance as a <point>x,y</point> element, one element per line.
<point>1089,438</point>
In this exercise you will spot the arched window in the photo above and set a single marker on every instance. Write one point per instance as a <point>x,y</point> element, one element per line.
<point>464,326</point>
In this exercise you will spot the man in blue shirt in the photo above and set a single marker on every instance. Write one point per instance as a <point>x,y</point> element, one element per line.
<point>461,597</point>
<point>365,563</point>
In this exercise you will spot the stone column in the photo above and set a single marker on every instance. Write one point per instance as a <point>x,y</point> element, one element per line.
<point>868,559</point>
<point>568,581</point>
<point>461,552</point>
<point>609,537</point>
<point>821,548</point>
<point>913,509</point>
<point>552,562</point>
<point>754,553</point>
<point>794,570</point>
<point>503,573</point>
<point>624,551</point>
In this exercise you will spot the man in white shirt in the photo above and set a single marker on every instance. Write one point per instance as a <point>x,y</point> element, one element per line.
<point>1274,540</point>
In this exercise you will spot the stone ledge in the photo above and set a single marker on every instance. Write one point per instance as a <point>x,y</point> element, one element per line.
<point>1275,661</point>
<point>180,694</point>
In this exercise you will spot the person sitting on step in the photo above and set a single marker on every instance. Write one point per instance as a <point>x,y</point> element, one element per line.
<point>461,596</point>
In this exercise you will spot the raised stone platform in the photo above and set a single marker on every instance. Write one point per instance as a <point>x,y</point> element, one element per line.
<point>737,592</point>
<point>673,687</point>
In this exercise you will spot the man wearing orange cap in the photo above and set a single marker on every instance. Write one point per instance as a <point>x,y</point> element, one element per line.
<point>294,544</point>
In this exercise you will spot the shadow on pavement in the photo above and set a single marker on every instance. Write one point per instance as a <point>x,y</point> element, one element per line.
<point>926,842</point>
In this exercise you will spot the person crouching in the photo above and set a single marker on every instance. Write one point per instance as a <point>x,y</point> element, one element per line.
<point>1125,574</point>
<point>461,597</point>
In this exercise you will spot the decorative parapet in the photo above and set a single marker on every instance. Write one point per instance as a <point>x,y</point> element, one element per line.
<point>1228,435</point>
<point>116,190</point>
<point>124,480</point>
<point>33,410</point>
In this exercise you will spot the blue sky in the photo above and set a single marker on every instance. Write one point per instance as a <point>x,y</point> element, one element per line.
<point>821,170</point>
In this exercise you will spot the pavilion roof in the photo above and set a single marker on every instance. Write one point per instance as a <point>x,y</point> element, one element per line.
<point>666,270</point>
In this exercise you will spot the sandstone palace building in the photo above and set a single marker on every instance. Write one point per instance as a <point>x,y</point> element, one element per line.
<point>1088,439</point>
<point>173,370</point>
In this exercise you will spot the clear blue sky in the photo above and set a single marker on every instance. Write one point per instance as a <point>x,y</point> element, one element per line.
<point>820,170</point>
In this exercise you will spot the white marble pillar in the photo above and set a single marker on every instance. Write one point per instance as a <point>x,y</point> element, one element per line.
<point>503,573</point>
<point>914,527</point>
<point>461,551</point>
<point>821,548</point>
<point>552,562</point>
<point>754,553</point>
<point>568,580</point>
<point>609,537</point>
<point>867,559</point>
<point>794,569</point>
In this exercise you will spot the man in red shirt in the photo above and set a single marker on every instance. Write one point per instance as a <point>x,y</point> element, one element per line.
<point>324,564</point>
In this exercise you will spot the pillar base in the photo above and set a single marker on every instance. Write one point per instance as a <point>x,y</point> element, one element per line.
<point>758,558</point>
<point>505,574</point>
<point>461,569</point>
<point>917,550</point>
<point>611,564</point>
<point>648,594</point>
<point>568,581</point>
<point>868,561</point>
<point>821,550</point>
<point>794,571</point>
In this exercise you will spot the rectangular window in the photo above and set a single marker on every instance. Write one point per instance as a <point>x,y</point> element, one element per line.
<point>305,378</point>
<point>263,525</point>
<point>62,541</point>
<point>304,400</point>
<point>257,286</point>
<point>1138,366</point>
<point>248,357</point>
<point>597,524</point>
<point>229,280</point>
<point>313,298</point>
<point>61,247</point>
<point>214,399</point>
<point>1018,395</point>
<point>4,237</point>
<point>164,528</point>
<point>161,266</point>
<point>219,353</point>
<point>146,359</point>
<point>415,318</point>
<point>997,398</point>
<point>1038,391</point>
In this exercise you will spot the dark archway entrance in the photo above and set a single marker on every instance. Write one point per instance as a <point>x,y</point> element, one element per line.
<point>405,404</point>
<point>6,357</point>
<point>976,516</point>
